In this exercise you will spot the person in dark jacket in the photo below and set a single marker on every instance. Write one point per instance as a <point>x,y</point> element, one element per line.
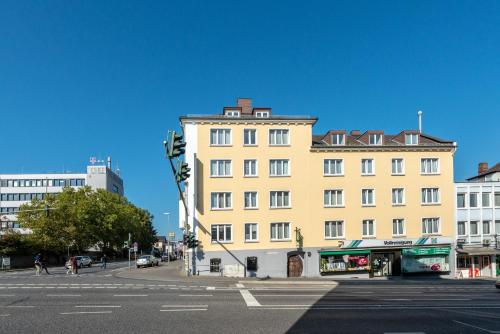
<point>74,265</point>
<point>104,261</point>
<point>44,265</point>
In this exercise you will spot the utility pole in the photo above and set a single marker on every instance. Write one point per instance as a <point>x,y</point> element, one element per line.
<point>167,237</point>
<point>129,237</point>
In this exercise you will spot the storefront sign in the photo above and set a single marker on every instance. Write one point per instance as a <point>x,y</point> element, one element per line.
<point>426,251</point>
<point>394,243</point>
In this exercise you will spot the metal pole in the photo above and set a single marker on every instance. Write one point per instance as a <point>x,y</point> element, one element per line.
<point>129,236</point>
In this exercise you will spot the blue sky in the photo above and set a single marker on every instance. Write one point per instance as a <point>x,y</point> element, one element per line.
<point>86,78</point>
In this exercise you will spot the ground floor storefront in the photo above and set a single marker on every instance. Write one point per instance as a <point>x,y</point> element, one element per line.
<point>475,262</point>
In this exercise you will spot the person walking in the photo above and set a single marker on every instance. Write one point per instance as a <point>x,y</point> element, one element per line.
<point>70,266</point>
<point>74,265</point>
<point>38,265</point>
<point>44,265</point>
<point>104,261</point>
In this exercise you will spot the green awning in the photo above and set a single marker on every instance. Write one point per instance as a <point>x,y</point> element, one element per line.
<point>346,252</point>
<point>426,251</point>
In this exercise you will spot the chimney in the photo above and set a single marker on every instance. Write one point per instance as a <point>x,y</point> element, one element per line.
<point>245,104</point>
<point>109,162</point>
<point>482,167</point>
<point>355,133</point>
<point>419,113</point>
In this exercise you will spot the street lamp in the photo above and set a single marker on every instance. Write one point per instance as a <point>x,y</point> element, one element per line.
<point>168,241</point>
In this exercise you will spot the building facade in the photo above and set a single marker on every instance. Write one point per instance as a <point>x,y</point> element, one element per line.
<point>266,197</point>
<point>478,224</point>
<point>18,189</point>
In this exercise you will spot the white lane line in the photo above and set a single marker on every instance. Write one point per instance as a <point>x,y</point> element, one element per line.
<point>184,310</point>
<point>210,287</point>
<point>239,285</point>
<point>4,315</point>
<point>396,299</point>
<point>249,299</point>
<point>278,295</point>
<point>7,295</point>
<point>196,295</point>
<point>184,306</point>
<point>130,295</point>
<point>98,306</point>
<point>64,295</point>
<point>87,312</point>
<point>20,306</point>
<point>483,329</point>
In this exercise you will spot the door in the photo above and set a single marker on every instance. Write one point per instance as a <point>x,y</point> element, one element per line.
<point>382,264</point>
<point>486,268</point>
<point>294,266</point>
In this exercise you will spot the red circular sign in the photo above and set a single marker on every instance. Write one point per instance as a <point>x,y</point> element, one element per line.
<point>436,267</point>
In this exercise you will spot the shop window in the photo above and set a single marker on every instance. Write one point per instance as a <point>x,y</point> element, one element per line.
<point>331,263</point>
<point>252,263</point>
<point>215,265</point>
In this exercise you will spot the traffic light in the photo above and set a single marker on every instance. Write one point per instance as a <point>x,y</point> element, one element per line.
<point>185,239</point>
<point>192,242</point>
<point>175,145</point>
<point>182,173</point>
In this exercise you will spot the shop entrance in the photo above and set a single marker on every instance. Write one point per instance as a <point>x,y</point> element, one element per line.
<point>294,266</point>
<point>386,264</point>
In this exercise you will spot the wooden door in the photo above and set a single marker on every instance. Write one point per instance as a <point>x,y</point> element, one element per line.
<point>294,266</point>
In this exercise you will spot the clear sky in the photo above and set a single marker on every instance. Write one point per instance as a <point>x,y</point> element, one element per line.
<point>97,78</point>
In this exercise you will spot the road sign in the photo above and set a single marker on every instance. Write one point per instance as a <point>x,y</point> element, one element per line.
<point>136,246</point>
<point>171,235</point>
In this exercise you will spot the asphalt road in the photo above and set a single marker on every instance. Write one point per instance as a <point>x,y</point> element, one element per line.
<point>97,301</point>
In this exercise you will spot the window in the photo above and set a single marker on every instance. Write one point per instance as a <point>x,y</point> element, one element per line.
<point>334,229</point>
<point>430,195</point>
<point>398,197</point>
<point>250,137</point>
<point>250,168</point>
<point>497,202</point>
<point>430,226</point>
<point>461,200</point>
<point>461,228</point>
<point>215,265</point>
<point>220,168</point>
<point>398,227</point>
<point>221,200</point>
<point>251,232</point>
<point>429,166</point>
<point>233,113</point>
<point>473,200</point>
<point>220,136</point>
<point>411,139</point>
<point>398,167</point>
<point>497,226</point>
<point>485,200</point>
<point>375,139</point>
<point>72,182</point>
<point>279,167</point>
<point>279,137</point>
<point>333,198</point>
<point>368,228</point>
<point>280,231</point>
<point>474,228</point>
<point>368,197</point>
<point>262,114</point>
<point>367,167</point>
<point>333,167</point>
<point>222,233</point>
<point>338,139</point>
<point>252,263</point>
<point>279,199</point>
<point>250,200</point>
<point>486,227</point>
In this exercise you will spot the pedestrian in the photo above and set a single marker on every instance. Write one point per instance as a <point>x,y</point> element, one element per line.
<point>74,265</point>
<point>69,263</point>
<point>104,261</point>
<point>43,264</point>
<point>38,265</point>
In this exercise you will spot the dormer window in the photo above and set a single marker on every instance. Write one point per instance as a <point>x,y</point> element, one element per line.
<point>262,114</point>
<point>375,138</point>
<point>411,139</point>
<point>338,139</point>
<point>232,113</point>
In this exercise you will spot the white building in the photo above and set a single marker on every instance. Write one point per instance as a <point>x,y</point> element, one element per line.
<point>18,189</point>
<point>478,223</point>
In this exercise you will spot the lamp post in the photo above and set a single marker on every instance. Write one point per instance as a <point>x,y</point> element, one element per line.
<point>168,241</point>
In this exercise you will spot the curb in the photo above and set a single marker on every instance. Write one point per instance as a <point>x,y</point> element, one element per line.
<point>290,282</point>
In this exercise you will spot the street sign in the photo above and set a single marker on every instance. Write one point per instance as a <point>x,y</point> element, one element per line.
<point>136,246</point>
<point>171,235</point>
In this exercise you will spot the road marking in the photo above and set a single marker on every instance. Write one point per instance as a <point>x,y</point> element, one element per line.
<point>130,295</point>
<point>184,310</point>
<point>239,285</point>
<point>7,295</point>
<point>196,295</point>
<point>64,295</point>
<point>185,306</point>
<point>396,299</point>
<point>278,295</point>
<point>20,306</point>
<point>483,329</point>
<point>99,306</point>
<point>87,312</point>
<point>249,299</point>
<point>210,287</point>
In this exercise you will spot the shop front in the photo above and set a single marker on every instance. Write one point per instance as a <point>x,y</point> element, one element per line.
<point>474,262</point>
<point>344,262</point>
<point>426,260</point>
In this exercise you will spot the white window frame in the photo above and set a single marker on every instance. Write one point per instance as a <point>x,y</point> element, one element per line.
<point>424,163</point>
<point>262,114</point>
<point>488,193</point>
<point>339,139</point>
<point>256,200</point>
<point>364,163</point>
<point>427,196</point>
<point>432,219</point>
<point>218,167</point>
<point>413,138</point>
<point>489,226</point>
<point>232,113</point>
<point>477,200</point>
<point>465,227</point>
<point>250,131</point>
<point>332,164</point>
<point>333,193</point>
<point>378,139</point>
<point>362,197</point>
<point>478,226</point>
<point>374,228</point>
<point>217,240</point>
<point>217,136</point>
<point>273,167</point>
<point>256,168</point>
<point>333,226</point>
<point>224,195</point>
<point>282,224</point>
<point>402,166</point>
<point>403,197</point>
<point>250,234</point>
<point>465,201</point>
<point>273,134</point>
<point>271,195</point>
<point>403,232</point>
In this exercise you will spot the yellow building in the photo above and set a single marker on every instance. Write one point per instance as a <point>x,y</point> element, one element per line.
<point>268,198</point>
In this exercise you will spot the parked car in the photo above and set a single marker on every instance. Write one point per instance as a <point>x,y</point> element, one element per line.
<point>147,261</point>
<point>82,261</point>
<point>497,283</point>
